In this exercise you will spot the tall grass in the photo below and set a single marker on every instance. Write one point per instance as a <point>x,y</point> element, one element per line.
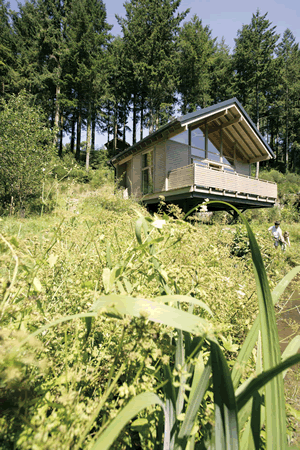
<point>198,369</point>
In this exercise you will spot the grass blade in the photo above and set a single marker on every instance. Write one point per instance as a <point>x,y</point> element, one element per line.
<point>292,348</point>
<point>251,338</point>
<point>226,422</point>
<point>137,404</point>
<point>195,400</point>
<point>274,391</point>
<point>183,298</point>
<point>262,379</point>
<point>119,305</point>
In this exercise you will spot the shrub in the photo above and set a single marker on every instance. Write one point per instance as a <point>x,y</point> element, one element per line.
<point>26,148</point>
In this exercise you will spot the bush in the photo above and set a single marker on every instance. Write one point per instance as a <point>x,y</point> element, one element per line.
<point>26,148</point>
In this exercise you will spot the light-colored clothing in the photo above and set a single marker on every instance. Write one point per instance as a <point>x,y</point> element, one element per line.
<point>277,234</point>
<point>285,242</point>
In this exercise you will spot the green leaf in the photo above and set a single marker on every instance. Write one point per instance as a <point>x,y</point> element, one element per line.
<point>183,298</point>
<point>294,412</point>
<point>156,312</point>
<point>139,424</point>
<point>226,423</point>
<point>135,405</point>
<point>37,284</point>
<point>108,255</point>
<point>251,338</point>
<point>196,396</point>
<point>106,279</point>
<point>292,348</point>
<point>52,260</point>
<point>262,379</point>
<point>274,391</point>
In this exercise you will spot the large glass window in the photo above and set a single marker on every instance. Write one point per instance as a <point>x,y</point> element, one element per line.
<point>147,172</point>
<point>198,147</point>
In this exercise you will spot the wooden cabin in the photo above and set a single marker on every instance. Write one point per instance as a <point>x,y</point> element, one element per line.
<point>204,154</point>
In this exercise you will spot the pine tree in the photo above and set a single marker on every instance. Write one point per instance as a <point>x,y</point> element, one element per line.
<point>196,50</point>
<point>253,64</point>
<point>6,50</point>
<point>26,30</point>
<point>150,31</point>
<point>288,101</point>
<point>87,36</point>
<point>221,84</point>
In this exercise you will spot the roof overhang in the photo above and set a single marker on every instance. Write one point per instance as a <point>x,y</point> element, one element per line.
<point>227,120</point>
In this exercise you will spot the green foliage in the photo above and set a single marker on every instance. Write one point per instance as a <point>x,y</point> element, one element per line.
<point>67,276</point>
<point>25,151</point>
<point>197,50</point>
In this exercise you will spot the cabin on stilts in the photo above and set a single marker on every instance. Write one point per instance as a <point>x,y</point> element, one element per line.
<point>206,154</point>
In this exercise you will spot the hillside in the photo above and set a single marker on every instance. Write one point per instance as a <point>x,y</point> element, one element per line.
<point>94,243</point>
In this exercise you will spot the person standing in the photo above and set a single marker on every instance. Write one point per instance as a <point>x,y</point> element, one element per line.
<point>276,234</point>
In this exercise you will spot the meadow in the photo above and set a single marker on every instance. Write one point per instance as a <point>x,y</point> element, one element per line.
<point>77,347</point>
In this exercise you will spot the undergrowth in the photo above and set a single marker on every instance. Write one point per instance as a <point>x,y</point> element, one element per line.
<point>65,260</point>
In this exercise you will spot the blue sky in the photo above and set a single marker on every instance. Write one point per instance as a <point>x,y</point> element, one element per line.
<point>224,18</point>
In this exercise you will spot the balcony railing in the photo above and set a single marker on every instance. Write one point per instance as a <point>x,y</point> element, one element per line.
<point>208,178</point>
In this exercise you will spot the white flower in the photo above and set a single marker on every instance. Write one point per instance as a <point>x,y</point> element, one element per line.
<point>240,293</point>
<point>159,223</point>
<point>203,208</point>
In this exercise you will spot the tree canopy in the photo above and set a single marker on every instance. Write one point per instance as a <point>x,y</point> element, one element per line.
<point>86,80</point>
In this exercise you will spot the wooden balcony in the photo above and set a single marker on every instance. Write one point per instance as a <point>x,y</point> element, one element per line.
<point>199,181</point>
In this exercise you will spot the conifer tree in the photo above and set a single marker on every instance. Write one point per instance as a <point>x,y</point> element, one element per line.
<point>87,36</point>
<point>150,31</point>
<point>221,85</point>
<point>288,101</point>
<point>6,50</point>
<point>196,50</point>
<point>253,64</point>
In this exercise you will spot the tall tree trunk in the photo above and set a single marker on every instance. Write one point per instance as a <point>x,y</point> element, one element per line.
<point>93,127</point>
<point>286,132</point>
<point>108,123</point>
<point>142,118</point>
<point>115,143</point>
<point>134,120</point>
<point>61,134</point>
<point>88,137</point>
<point>151,119</point>
<point>124,129</point>
<point>78,140</point>
<point>72,143</point>
<point>57,113</point>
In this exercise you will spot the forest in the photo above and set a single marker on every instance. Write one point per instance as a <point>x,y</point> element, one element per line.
<point>85,79</point>
<point>121,329</point>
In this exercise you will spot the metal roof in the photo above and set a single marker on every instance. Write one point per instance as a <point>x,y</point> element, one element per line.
<point>239,134</point>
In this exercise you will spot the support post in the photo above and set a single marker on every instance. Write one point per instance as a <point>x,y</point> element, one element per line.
<point>206,141</point>
<point>257,170</point>
<point>221,146</point>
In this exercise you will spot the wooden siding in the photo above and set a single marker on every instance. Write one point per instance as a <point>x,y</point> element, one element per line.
<point>177,155</point>
<point>129,177</point>
<point>137,175</point>
<point>160,167</point>
<point>242,168</point>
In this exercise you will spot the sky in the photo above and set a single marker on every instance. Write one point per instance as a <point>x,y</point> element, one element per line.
<point>224,18</point>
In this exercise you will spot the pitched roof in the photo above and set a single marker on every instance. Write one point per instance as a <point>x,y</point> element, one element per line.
<point>238,132</point>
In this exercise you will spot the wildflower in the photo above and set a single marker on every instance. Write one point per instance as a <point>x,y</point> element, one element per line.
<point>240,294</point>
<point>159,223</point>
